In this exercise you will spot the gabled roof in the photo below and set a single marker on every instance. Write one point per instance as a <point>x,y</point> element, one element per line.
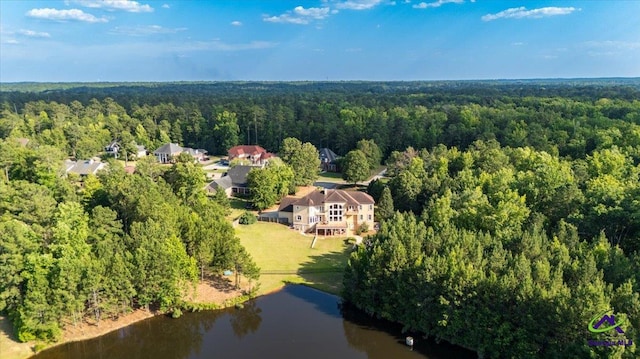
<point>318,197</point>
<point>238,174</point>
<point>222,182</point>
<point>171,149</point>
<point>250,150</point>
<point>83,168</point>
<point>286,205</point>
<point>326,155</point>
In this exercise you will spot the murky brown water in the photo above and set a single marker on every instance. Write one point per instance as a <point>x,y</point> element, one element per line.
<point>297,322</point>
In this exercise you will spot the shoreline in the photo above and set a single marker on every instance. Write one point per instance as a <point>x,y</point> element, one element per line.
<point>89,330</point>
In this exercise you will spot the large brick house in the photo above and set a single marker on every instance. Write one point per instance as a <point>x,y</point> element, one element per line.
<point>328,212</point>
<point>253,153</point>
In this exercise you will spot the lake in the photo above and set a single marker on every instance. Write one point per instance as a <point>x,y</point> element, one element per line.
<point>296,322</point>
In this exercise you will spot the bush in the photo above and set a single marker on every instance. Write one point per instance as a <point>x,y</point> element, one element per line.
<point>247,218</point>
<point>363,228</point>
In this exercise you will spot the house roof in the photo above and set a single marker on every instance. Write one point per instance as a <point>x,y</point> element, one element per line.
<point>318,197</point>
<point>83,168</point>
<point>286,205</point>
<point>223,182</point>
<point>171,149</point>
<point>238,174</point>
<point>250,150</point>
<point>326,155</point>
<point>140,148</point>
<point>22,141</point>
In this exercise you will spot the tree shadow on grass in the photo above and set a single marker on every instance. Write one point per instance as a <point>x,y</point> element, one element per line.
<point>325,271</point>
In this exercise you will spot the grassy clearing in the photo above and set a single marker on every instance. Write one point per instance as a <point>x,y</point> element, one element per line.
<point>285,255</point>
<point>238,207</point>
<point>333,177</point>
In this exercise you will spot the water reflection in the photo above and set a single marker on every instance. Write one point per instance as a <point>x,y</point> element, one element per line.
<point>246,320</point>
<point>295,322</point>
<point>372,336</point>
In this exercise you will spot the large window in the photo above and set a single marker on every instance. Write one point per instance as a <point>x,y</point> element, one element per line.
<point>335,213</point>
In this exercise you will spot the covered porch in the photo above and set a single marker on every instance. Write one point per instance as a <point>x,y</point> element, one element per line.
<point>331,228</point>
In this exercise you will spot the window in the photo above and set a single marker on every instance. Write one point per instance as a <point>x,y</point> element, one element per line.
<point>361,217</point>
<point>298,218</point>
<point>369,217</point>
<point>335,213</point>
<point>370,207</point>
<point>360,207</point>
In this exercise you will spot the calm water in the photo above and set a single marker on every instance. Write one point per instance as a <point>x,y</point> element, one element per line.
<point>297,322</point>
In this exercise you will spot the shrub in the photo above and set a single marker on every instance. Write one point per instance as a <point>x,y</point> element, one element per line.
<point>247,218</point>
<point>363,228</point>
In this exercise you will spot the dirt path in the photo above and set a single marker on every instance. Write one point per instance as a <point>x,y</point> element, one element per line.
<point>216,289</point>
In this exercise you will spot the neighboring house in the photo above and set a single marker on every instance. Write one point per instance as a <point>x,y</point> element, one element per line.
<point>328,160</point>
<point>112,149</point>
<point>328,212</point>
<point>254,153</point>
<point>167,152</point>
<point>233,182</point>
<point>140,151</point>
<point>83,168</point>
<point>199,154</point>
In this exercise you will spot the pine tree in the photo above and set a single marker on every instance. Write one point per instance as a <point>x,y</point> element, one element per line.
<point>385,206</point>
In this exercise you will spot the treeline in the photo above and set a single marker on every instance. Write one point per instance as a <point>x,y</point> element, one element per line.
<point>507,251</point>
<point>565,119</point>
<point>100,248</point>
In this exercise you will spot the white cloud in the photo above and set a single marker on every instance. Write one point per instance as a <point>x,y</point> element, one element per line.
<point>300,15</point>
<point>125,5</point>
<point>517,43</point>
<point>11,42</point>
<point>236,23</point>
<point>31,33</point>
<point>144,30</point>
<point>522,12</point>
<point>424,5</point>
<point>313,12</point>
<point>358,4</point>
<point>64,15</point>
<point>165,6</point>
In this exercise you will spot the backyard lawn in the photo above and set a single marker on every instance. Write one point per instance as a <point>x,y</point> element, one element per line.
<point>284,255</point>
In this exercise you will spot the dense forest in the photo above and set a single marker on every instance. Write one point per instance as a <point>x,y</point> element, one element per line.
<point>511,216</point>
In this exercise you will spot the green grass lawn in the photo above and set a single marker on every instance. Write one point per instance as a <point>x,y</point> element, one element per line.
<point>284,255</point>
<point>333,177</point>
<point>238,207</point>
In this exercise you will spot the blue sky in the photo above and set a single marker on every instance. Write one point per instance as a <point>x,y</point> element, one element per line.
<point>120,40</point>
